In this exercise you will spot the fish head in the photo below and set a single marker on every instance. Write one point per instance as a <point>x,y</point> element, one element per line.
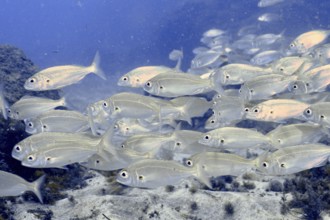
<point>264,163</point>
<point>34,160</point>
<point>20,150</point>
<point>212,122</point>
<point>206,139</point>
<point>222,76</point>
<point>253,113</point>
<point>299,87</point>
<point>309,113</point>
<point>127,178</point>
<point>37,83</point>
<point>153,87</point>
<point>245,93</point>
<point>125,80</point>
<point>32,126</point>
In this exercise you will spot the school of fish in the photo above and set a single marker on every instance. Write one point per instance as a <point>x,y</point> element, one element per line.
<point>161,137</point>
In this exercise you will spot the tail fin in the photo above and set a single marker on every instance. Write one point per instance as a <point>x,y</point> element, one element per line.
<point>176,55</point>
<point>62,101</point>
<point>203,178</point>
<point>36,186</point>
<point>96,66</point>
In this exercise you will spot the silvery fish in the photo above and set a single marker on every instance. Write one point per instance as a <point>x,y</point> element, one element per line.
<point>293,159</point>
<point>322,53</point>
<point>236,74</point>
<point>59,155</point>
<point>277,110</point>
<point>318,113</point>
<point>3,103</point>
<point>13,185</point>
<point>269,17</point>
<point>214,164</point>
<point>289,65</point>
<point>209,58</point>
<point>57,121</point>
<point>296,134</point>
<point>265,57</point>
<point>45,140</point>
<point>214,32</point>
<point>60,76</point>
<point>268,3</point>
<point>227,110</point>
<point>176,55</point>
<point>317,79</point>
<point>264,87</point>
<point>137,77</point>
<point>234,138</point>
<point>97,162</point>
<point>32,106</point>
<point>131,126</point>
<point>267,39</point>
<point>178,84</point>
<point>98,117</point>
<point>153,173</point>
<point>306,41</point>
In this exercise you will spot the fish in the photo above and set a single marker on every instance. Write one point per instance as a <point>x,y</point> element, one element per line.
<point>290,65</point>
<point>267,39</point>
<point>269,17</point>
<point>175,85</point>
<point>137,77</point>
<point>209,58</point>
<point>153,173</point>
<point>57,121</point>
<point>268,3</point>
<point>46,140</point>
<point>293,159</point>
<point>176,55</point>
<point>234,138</point>
<point>129,126</point>
<point>98,117</point>
<point>214,32</point>
<point>31,106</point>
<point>214,164</point>
<point>322,53</point>
<point>13,185</point>
<point>308,40</point>
<point>318,113</point>
<point>236,74</point>
<point>296,134</point>
<point>265,57</point>
<point>266,86</point>
<point>277,110</point>
<point>58,77</point>
<point>97,162</point>
<point>3,103</point>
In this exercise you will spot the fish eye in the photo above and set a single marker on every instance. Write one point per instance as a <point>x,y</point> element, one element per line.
<point>47,81</point>
<point>207,137</point>
<point>292,45</point>
<point>308,111</point>
<point>32,80</point>
<point>282,165</point>
<point>265,164</point>
<point>97,161</point>
<point>279,141</point>
<point>122,146</point>
<point>281,69</point>
<point>212,122</point>
<point>178,144</point>
<point>105,104</point>
<point>48,158</point>
<point>189,163</point>
<point>44,126</point>
<point>137,80</point>
<point>116,108</point>
<point>30,124</point>
<point>295,86</point>
<point>148,84</point>
<point>322,116</point>
<point>127,128</point>
<point>251,90</point>
<point>161,87</point>
<point>18,148</point>
<point>125,78</point>
<point>246,109</point>
<point>31,158</point>
<point>8,110</point>
<point>256,110</point>
<point>115,127</point>
<point>141,177</point>
<point>222,141</point>
<point>227,76</point>
<point>124,174</point>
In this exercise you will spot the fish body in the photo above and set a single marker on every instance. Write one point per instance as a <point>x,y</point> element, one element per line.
<point>266,39</point>
<point>306,41</point>
<point>206,59</point>
<point>289,65</point>
<point>266,86</point>
<point>236,74</point>
<point>32,106</point>
<point>153,173</point>
<point>57,121</point>
<point>268,3</point>
<point>293,159</point>
<point>265,57</point>
<point>214,164</point>
<point>296,134</point>
<point>174,85</point>
<point>277,110</point>
<point>234,138</point>
<point>269,17</point>
<point>60,76</point>
<point>137,77</point>
<point>13,185</point>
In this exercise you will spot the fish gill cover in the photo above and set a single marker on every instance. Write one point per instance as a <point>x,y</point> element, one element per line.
<point>164,109</point>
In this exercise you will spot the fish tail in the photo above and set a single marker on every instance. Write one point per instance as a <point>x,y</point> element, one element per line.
<point>63,101</point>
<point>96,68</point>
<point>5,104</point>
<point>36,187</point>
<point>91,121</point>
<point>203,178</point>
